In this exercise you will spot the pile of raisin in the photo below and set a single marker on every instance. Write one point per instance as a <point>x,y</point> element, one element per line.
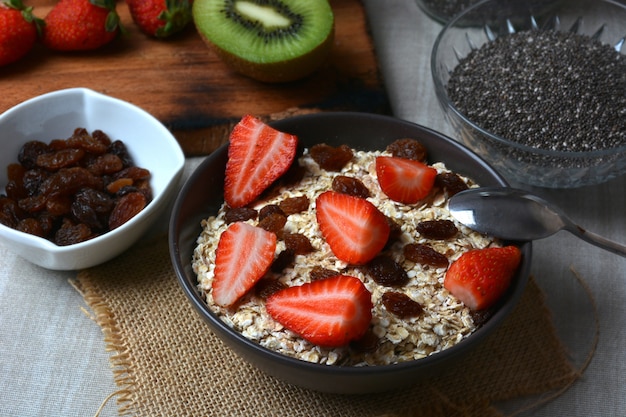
<point>72,190</point>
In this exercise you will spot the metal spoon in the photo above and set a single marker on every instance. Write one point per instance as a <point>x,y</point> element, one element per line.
<point>514,214</point>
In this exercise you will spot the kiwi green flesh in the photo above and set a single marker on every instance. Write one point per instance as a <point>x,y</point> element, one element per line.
<point>232,28</point>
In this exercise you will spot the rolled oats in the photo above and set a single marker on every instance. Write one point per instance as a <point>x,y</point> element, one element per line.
<point>444,322</point>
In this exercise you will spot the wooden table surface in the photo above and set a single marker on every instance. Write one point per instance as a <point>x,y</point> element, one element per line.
<point>183,84</point>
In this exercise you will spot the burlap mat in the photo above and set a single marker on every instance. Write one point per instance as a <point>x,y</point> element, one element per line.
<point>167,362</point>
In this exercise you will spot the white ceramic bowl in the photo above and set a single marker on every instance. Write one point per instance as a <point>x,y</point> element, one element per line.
<point>55,116</point>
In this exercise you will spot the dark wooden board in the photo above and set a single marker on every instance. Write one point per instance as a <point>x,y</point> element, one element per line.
<point>182,83</point>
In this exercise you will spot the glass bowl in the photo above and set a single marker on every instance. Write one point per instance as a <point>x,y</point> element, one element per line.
<point>485,22</point>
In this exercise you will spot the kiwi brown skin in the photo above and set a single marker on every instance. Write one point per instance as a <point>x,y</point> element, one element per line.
<point>283,71</point>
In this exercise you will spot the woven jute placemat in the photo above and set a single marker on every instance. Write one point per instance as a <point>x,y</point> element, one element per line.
<point>166,361</point>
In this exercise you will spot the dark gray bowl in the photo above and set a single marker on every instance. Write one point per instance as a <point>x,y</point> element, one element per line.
<point>202,196</point>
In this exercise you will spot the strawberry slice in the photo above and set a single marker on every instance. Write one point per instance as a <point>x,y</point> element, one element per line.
<point>480,277</point>
<point>404,180</point>
<point>353,227</point>
<point>244,254</point>
<point>329,312</point>
<point>257,156</point>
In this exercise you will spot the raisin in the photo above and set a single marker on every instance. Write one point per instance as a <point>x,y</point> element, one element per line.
<point>105,164</point>
<point>298,243</point>
<point>437,229</point>
<point>268,286</point>
<point>451,182</point>
<point>367,343</point>
<point>32,204</point>
<point>408,148</point>
<point>119,149</point>
<point>425,255</point>
<point>143,186</point>
<point>126,208</point>
<point>116,186</point>
<point>58,144</point>
<point>32,226</point>
<point>317,273</point>
<point>54,161</point>
<point>81,139</point>
<point>274,223</point>
<point>69,234</point>
<point>10,212</point>
<point>293,205</point>
<point>29,152</point>
<point>331,158</point>
<point>351,186</point>
<point>32,180</point>
<point>401,305</point>
<point>269,209</point>
<point>480,317</point>
<point>58,204</point>
<point>284,259</point>
<point>386,271</point>
<point>15,190</point>
<point>69,180</point>
<point>101,137</point>
<point>92,207</point>
<point>133,172</point>
<point>240,214</point>
<point>15,172</point>
<point>47,222</point>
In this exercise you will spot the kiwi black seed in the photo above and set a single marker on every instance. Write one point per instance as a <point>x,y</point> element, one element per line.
<point>268,40</point>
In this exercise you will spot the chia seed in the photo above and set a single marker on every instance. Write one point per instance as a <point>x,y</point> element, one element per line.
<point>446,9</point>
<point>545,89</point>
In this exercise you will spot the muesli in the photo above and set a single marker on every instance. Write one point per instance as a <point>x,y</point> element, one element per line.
<point>443,321</point>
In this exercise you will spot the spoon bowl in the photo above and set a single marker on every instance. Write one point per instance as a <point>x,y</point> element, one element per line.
<point>514,214</point>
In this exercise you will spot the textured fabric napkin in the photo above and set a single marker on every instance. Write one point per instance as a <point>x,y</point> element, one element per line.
<point>167,362</point>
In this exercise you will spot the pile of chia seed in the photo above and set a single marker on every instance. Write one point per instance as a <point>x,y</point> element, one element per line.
<point>446,9</point>
<point>545,89</point>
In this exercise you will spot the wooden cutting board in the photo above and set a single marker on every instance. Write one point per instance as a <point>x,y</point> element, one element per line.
<point>183,84</point>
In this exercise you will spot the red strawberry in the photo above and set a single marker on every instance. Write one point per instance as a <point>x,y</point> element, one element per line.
<point>160,18</point>
<point>353,227</point>
<point>329,312</point>
<point>257,156</point>
<point>244,254</point>
<point>404,180</point>
<point>480,277</point>
<point>81,25</point>
<point>18,30</point>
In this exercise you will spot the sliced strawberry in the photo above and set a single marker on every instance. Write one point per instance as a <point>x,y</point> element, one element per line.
<point>404,180</point>
<point>244,254</point>
<point>257,156</point>
<point>480,277</point>
<point>330,312</point>
<point>353,227</point>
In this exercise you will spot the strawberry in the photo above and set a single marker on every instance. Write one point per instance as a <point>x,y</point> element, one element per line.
<point>480,277</point>
<point>404,180</point>
<point>81,25</point>
<point>244,254</point>
<point>353,227</point>
<point>160,18</point>
<point>257,156</point>
<point>18,30</point>
<point>329,312</point>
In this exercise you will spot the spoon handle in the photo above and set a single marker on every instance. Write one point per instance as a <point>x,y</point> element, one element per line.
<point>598,240</point>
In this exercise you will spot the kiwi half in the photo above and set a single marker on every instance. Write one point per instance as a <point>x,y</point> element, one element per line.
<point>268,40</point>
